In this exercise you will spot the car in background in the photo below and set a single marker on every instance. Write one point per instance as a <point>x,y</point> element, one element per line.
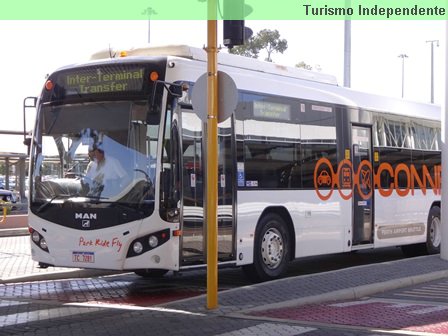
<point>7,196</point>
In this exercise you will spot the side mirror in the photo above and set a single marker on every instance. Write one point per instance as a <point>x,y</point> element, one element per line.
<point>28,102</point>
<point>175,90</point>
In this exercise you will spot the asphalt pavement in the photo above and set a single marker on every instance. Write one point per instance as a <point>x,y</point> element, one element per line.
<point>361,300</point>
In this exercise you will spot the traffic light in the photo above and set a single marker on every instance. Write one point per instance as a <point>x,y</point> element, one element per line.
<point>235,33</point>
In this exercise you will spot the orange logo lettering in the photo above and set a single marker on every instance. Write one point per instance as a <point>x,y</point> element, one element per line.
<point>345,179</point>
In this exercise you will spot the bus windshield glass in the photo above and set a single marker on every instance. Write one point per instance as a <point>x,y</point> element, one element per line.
<point>93,154</point>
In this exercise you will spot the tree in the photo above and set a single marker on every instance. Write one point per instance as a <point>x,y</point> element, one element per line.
<point>266,39</point>
<point>303,65</point>
<point>249,49</point>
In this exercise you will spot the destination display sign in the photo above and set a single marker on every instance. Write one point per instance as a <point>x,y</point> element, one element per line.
<point>270,110</point>
<point>111,81</point>
<point>102,80</point>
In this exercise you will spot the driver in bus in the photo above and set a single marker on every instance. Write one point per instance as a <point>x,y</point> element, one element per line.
<point>102,170</point>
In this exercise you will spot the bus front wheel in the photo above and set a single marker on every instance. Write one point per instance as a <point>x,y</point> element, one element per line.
<point>271,249</point>
<point>151,273</point>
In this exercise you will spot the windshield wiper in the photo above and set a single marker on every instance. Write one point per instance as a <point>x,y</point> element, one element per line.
<point>65,197</point>
<point>47,203</point>
<point>95,198</point>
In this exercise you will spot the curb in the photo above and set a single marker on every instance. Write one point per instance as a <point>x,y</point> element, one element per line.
<point>60,275</point>
<point>348,293</point>
<point>14,232</point>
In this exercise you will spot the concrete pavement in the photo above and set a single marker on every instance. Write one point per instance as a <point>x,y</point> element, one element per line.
<point>15,258</point>
<point>346,284</point>
<point>16,264</point>
<point>14,222</point>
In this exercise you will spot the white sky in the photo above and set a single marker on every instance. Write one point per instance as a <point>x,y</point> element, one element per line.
<point>32,49</point>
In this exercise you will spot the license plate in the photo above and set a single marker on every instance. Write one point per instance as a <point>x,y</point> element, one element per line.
<point>83,257</point>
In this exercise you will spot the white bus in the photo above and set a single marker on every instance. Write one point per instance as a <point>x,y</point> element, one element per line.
<point>306,167</point>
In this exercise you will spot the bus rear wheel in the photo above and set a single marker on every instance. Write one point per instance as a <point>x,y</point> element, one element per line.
<point>271,249</point>
<point>434,234</point>
<point>433,237</point>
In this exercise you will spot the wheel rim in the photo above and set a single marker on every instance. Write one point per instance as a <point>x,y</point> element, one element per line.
<point>434,232</point>
<point>272,248</point>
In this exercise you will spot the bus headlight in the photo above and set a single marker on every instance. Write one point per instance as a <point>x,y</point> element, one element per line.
<point>153,241</point>
<point>137,247</point>
<point>43,244</point>
<point>148,242</point>
<point>38,239</point>
<point>35,237</point>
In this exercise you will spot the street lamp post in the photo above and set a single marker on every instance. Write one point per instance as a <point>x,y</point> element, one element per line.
<point>402,56</point>
<point>347,47</point>
<point>148,12</point>
<point>212,155</point>
<point>444,199</point>
<point>432,67</point>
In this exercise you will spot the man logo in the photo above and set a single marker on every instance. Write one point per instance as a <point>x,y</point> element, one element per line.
<point>80,215</point>
<point>85,217</point>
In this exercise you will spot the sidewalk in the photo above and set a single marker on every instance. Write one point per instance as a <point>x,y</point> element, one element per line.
<point>16,264</point>
<point>14,225</point>
<point>15,256</point>
<point>257,309</point>
<point>346,284</point>
<point>343,302</point>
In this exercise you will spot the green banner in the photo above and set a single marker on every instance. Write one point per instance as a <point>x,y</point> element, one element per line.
<point>224,10</point>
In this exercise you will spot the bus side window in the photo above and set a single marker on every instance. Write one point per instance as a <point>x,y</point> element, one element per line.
<point>311,154</point>
<point>269,164</point>
<point>295,176</point>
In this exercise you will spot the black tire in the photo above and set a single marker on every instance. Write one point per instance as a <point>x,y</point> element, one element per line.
<point>434,231</point>
<point>151,273</point>
<point>43,265</point>
<point>271,249</point>
<point>413,250</point>
<point>433,237</point>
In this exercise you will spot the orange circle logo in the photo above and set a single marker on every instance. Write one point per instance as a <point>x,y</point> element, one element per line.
<point>324,178</point>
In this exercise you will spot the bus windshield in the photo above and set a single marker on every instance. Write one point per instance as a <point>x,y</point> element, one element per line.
<point>93,154</point>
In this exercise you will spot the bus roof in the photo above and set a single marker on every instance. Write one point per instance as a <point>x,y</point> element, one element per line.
<point>312,85</point>
<point>392,105</point>
<point>235,61</point>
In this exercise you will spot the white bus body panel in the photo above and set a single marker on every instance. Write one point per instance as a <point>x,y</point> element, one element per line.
<point>402,220</point>
<point>109,245</point>
<point>320,227</point>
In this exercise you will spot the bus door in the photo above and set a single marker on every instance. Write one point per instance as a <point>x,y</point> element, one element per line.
<point>226,191</point>
<point>194,241</point>
<point>193,184</point>
<point>363,190</point>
